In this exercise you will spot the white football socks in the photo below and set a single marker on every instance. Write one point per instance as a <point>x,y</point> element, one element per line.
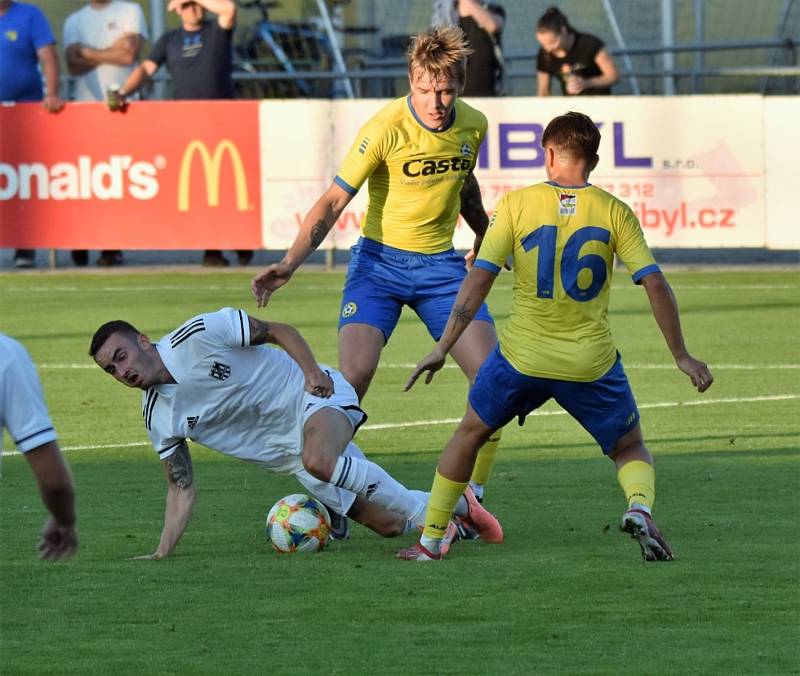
<point>374,484</point>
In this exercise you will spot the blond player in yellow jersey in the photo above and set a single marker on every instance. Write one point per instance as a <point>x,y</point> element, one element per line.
<point>418,154</point>
<point>563,235</point>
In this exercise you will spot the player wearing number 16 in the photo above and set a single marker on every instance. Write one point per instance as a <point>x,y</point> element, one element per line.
<point>562,235</point>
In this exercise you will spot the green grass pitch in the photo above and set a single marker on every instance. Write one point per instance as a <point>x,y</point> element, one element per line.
<point>567,592</point>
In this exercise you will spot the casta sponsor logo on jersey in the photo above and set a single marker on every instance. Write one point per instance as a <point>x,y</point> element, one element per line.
<point>422,167</point>
<point>114,178</point>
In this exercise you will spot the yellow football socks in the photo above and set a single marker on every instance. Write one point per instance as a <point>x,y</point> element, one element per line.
<point>485,460</point>
<point>441,503</point>
<point>638,480</point>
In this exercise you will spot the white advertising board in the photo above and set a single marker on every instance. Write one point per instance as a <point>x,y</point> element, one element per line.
<point>692,168</point>
<point>782,148</point>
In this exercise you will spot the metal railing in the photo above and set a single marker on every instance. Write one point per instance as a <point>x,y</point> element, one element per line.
<point>522,66</point>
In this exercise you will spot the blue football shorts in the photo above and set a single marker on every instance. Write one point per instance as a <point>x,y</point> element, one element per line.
<point>382,279</point>
<point>604,407</point>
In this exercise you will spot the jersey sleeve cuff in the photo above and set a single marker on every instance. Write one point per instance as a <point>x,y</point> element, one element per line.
<point>486,265</point>
<point>244,328</point>
<point>646,270</point>
<point>344,185</point>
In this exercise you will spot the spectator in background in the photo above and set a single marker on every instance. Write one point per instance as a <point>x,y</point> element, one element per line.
<point>482,24</point>
<point>199,57</point>
<point>579,61</point>
<point>26,42</point>
<point>24,413</point>
<point>102,42</point>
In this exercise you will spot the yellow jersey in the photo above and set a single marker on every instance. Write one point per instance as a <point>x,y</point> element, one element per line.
<point>415,174</point>
<point>562,241</point>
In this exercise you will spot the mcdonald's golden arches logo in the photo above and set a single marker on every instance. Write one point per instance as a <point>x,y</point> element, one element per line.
<point>212,168</point>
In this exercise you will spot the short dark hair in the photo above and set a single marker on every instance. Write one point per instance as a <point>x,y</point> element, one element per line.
<point>553,21</point>
<point>574,133</point>
<point>107,330</point>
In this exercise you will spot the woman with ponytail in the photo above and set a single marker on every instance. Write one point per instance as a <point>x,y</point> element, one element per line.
<point>579,61</point>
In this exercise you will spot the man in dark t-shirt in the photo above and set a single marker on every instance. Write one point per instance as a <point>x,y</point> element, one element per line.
<point>580,60</point>
<point>200,61</point>
<point>199,57</point>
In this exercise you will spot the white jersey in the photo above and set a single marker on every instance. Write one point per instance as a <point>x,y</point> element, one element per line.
<point>99,28</point>
<point>244,401</point>
<point>22,408</point>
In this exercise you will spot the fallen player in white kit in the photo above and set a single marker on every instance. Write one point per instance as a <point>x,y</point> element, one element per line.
<point>214,381</point>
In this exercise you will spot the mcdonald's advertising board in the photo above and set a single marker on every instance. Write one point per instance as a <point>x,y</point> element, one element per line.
<point>165,175</point>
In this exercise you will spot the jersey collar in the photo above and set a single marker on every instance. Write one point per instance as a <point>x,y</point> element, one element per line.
<point>568,187</point>
<point>449,124</point>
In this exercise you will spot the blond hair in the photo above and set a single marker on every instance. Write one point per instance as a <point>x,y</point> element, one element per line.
<point>440,52</point>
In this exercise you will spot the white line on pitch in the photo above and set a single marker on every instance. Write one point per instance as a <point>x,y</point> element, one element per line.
<point>662,404</point>
<point>659,367</point>
<point>655,367</point>
<point>337,286</point>
<point>453,421</point>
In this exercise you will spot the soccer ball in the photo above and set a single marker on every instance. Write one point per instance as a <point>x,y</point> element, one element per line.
<point>298,523</point>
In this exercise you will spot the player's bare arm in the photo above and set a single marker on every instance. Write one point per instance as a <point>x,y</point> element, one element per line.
<point>181,494</point>
<point>289,338</point>
<point>471,295</point>
<point>313,231</point>
<point>473,212</point>
<point>665,311</point>
<point>59,536</point>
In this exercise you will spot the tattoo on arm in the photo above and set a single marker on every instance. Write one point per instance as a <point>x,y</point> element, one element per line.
<point>472,206</point>
<point>179,467</point>
<point>259,331</point>
<point>318,233</point>
<point>461,314</point>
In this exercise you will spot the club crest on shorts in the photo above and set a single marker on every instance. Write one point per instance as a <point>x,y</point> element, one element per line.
<point>349,310</point>
<point>568,202</point>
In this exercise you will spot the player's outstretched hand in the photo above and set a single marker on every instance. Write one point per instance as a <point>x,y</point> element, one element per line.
<point>432,363</point>
<point>320,384</point>
<point>264,284</point>
<point>58,542</point>
<point>697,371</point>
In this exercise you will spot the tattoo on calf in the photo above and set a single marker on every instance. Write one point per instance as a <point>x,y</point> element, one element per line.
<point>318,233</point>
<point>179,466</point>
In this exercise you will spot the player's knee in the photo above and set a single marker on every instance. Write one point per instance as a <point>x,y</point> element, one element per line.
<point>630,447</point>
<point>473,432</point>
<point>359,379</point>
<point>318,464</point>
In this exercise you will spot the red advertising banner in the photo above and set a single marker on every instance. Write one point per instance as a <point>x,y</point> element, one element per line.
<point>161,175</point>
